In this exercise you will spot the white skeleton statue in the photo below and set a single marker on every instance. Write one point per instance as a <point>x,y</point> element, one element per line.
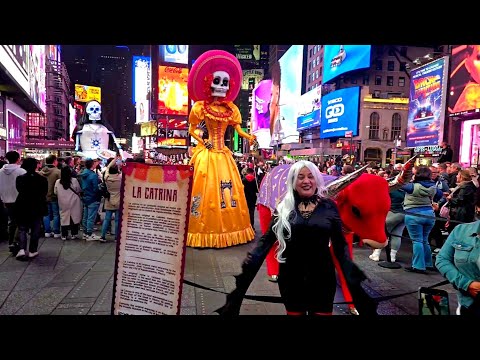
<point>220,83</point>
<point>94,137</point>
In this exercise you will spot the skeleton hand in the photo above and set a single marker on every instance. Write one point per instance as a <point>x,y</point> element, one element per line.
<point>208,144</point>
<point>255,144</point>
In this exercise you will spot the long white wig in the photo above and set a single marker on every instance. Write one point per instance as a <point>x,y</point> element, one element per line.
<point>285,209</point>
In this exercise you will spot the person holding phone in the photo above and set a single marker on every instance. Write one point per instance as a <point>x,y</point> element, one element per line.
<point>459,262</point>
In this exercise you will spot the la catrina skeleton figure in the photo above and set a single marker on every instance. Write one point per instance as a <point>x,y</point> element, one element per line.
<point>218,214</point>
<point>93,134</point>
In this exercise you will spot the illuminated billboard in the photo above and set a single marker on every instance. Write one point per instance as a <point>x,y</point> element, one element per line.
<point>251,78</point>
<point>426,108</point>
<point>340,111</point>
<point>38,90</point>
<point>309,109</point>
<point>339,59</point>
<point>248,52</point>
<point>291,66</point>
<point>85,93</point>
<point>172,90</point>
<point>260,119</point>
<point>173,124</point>
<point>177,54</point>
<point>464,81</point>
<point>15,60</point>
<point>141,87</point>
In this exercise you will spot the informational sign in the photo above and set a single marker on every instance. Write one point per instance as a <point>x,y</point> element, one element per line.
<point>154,215</point>
<point>426,108</point>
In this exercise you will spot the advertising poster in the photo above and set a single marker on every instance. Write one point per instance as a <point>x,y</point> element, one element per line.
<point>426,108</point>
<point>464,80</point>
<point>154,215</point>
<point>251,78</point>
<point>148,128</point>
<point>17,130</point>
<point>291,66</point>
<point>141,87</point>
<point>15,60</point>
<point>339,59</point>
<point>177,54</point>
<point>309,109</point>
<point>85,93</point>
<point>260,120</point>
<point>38,91</point>
<point>172,90</point>
<point>340,113</point>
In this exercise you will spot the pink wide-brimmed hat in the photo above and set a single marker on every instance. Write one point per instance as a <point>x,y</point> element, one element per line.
<point>201,74</point>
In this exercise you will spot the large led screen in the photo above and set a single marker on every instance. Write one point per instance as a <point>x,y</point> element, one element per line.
<point>426,107</point>
<point>15,60</point>
<point>38,91</point>
<point>251,78</point>
<point>17,131</point>
<point>177,54</point>
<point>260,119</point>
<point>340,113</point>
<point>172,90</point>
<point>285,125</point>
<point>339,59</point>
<point>309,109</point>
<point>464,88</point>
<point>141,87</point>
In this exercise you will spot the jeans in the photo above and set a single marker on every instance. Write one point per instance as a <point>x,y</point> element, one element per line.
<point>36,227</point>
<point>12,223</point>
<point>107,221</point>
<point>89,216</point>
<point>395,224</point>
<point>419,228</point>
<point>53,214</point>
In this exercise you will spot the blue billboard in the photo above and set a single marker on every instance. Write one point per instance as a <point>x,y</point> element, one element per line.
<point>309,109</point>
<point>340,113</point>
<point>426,106</point>
<point>339,59</point>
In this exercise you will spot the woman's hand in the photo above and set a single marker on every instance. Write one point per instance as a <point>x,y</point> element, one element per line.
<point>474,288</point>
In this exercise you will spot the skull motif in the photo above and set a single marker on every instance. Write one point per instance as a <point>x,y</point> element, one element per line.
<point>220,83</point>
<point>94,110</point>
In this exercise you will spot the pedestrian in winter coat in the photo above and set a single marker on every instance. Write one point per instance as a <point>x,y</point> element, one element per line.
<point>52,173</point>
<point>9,193</point>
<point>31,207</point>
<point>113,179</point>
<point>91,199</point>
<point>250,188</point>
<point>70,204</point>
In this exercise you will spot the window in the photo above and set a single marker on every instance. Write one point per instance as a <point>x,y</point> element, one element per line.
<point>311,52</point>
<point>378,80</point>
<point>391,51</point>
<point>389,80</point>
<point>320,70</point>
<point>403,66</point>
<point>374,126</point>
<point>396,126</point>
<point>366,79</point>
<point>309,66</point>
<point>401,81</point>
<point>318,60</point>
<point>403,51</point>
<point>378,64</point>
<point>314,50</point>
<point>391,66</point>
<point>316,74</point>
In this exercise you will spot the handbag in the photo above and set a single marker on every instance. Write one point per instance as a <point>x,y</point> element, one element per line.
<point>445,211</point>
<point>79,195</point>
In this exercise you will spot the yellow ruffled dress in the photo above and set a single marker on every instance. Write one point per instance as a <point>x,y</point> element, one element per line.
<point>218,213</point>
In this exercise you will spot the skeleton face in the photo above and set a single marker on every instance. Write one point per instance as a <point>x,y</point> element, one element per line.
<point>220,83</point>
<point>94,110</point>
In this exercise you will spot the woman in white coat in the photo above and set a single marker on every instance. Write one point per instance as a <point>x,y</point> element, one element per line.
<point>68,192</point>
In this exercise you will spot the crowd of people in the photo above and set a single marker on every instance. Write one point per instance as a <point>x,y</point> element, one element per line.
<point>55,198</point>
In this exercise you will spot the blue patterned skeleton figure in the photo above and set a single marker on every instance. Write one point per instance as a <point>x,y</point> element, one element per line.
<point>92,134</point>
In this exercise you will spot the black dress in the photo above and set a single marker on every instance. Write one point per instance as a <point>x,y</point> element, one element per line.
<point>306,280</point>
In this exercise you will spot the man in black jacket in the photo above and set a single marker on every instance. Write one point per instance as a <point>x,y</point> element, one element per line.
<point>447,153</point>
<point>251,190</point>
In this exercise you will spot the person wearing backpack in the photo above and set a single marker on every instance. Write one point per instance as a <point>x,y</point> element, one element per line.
<point>113,181</point>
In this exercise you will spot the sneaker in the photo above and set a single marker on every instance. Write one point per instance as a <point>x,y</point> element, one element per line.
<point>73,237</point>
<point>92,237</point>
<point>21,255</point>
<point>57,235</point>
<point>31,255</point>
<point>412,269</point>
<point>375,256</point>
<point>436,251</point>
<point>103,240</point>
<point>64,238</point>
<point>273,278</point>
<point>48,235</point>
